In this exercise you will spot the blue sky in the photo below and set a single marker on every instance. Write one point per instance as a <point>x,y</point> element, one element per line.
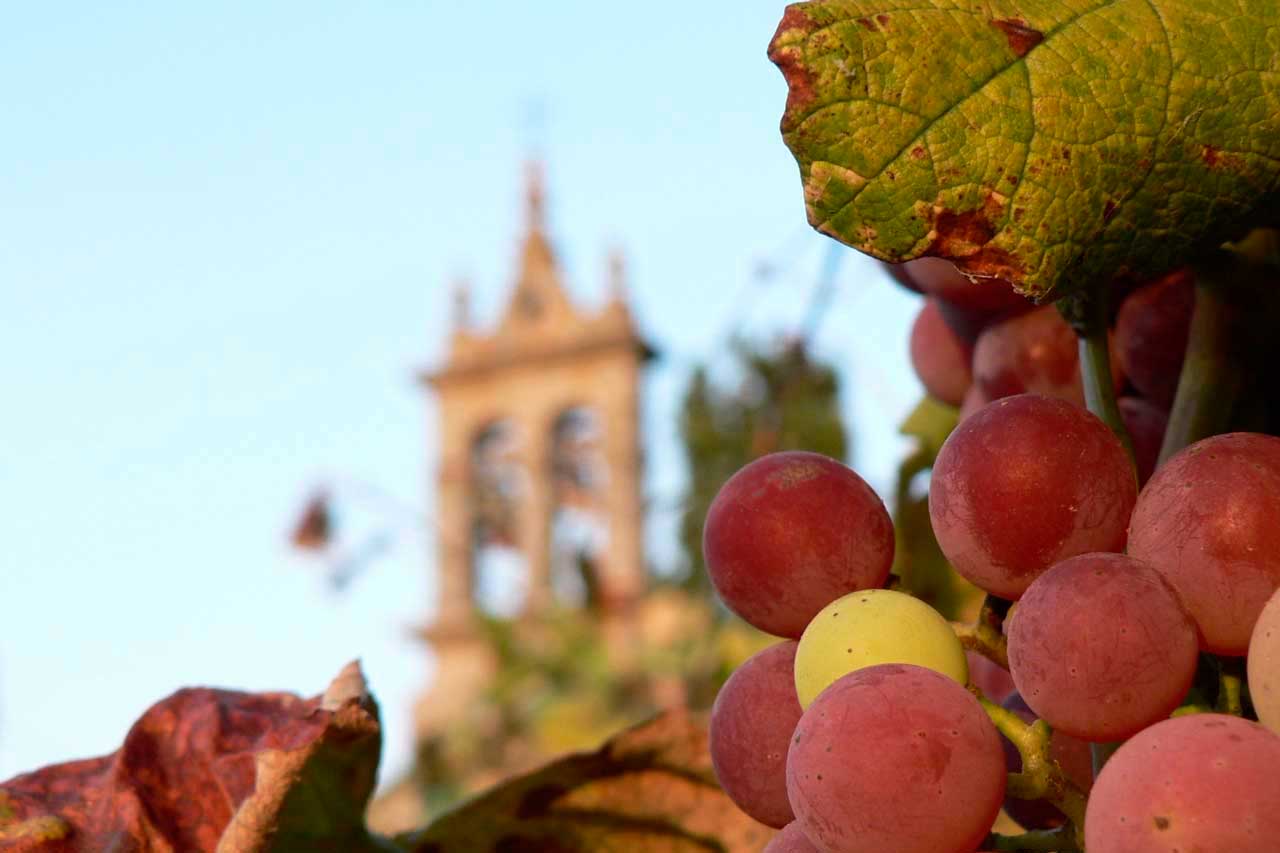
<point>229,233</point>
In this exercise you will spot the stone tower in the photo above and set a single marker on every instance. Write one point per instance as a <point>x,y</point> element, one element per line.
<point>540,463</point>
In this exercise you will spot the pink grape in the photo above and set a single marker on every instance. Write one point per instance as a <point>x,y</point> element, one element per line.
<point>1264,665</point>
<point>791,532</point>
<point>1035,352</point>
<point>967,306</point>
<point>973,400</point>
<point>941,278</point>
<point>1151,335</point>
<point>1145,424</point>
<point>993,680</point>
<point>895,757</point>
<point>1207,521</point>
<point>1206,782</point>
<point>1024,483</point>
<point>898,272</point>
<point>791,840</point>
<point>939,357</point>
<point>752,721</point>
<point>1100,647</point>
<point>1071,754</point>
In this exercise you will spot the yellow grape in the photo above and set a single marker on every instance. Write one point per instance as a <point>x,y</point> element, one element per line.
<point>872,627</point>
<point>1264,665</point>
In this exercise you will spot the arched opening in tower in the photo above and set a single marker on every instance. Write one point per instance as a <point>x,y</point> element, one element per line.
<point>500,482</point>
<point>579,531</point>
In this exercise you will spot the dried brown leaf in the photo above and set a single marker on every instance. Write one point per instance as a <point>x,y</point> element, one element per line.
<point>650,789</point>
<point>212,770</point>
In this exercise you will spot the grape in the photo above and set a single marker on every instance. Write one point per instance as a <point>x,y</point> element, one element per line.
<point>974,400</point>
<point>1145,424</point>
<point>895,757</point>
<point>751,724</point>
<point>1264,665</point>
<point>791,532</point>
<point>940,278</point>
<point>993,680</point>
<point>1207,521</point>
<point>1036,352</point>
<point>898,272</point>
<point>1204,782</point>
<point>1071,754</point>
<point>791,840</point>
<point>872,627</point>
<point>1024,483</point>
<point>1151,335</point>
<point>939,357</point>
<point>966,306</point>
<point>1100,647</point>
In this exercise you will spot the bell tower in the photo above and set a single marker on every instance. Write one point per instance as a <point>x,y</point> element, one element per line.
<point>538,490</point>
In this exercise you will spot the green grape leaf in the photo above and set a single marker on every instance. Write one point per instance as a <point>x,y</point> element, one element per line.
<point>931,421</point>
<point>1048,142</point>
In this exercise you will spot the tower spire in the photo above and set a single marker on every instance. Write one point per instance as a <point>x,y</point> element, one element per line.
<point>535,197</point>
<point>617,280</point>
<point>461,304</point>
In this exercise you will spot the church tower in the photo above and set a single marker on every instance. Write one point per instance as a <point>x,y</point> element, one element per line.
<point>538,491</point>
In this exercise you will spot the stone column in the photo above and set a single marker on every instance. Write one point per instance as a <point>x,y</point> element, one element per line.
<point>534,514</point>
<point>456,596</point>
<point>623,569</point>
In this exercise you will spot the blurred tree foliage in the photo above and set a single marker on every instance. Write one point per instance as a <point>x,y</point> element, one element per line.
<point>785,400</point>
<point>570,678</point>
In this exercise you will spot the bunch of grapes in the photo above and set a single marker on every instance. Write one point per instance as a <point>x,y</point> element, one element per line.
<point>1140,627</point>
<point>973,343</point>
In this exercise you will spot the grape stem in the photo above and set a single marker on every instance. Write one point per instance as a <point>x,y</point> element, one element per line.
<point>1211,378</point>
<point>1100,389</point>
<point>1100,753</point>
<point>1036,840</point>
<point>1229,684</point>
<point>985,636</point>
<point>1041,777</point>
<point>1089,317</point>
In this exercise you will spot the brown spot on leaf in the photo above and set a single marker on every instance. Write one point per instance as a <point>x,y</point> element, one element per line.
<point>1108,210</point>
<point>963,238</point>
<point>790,62</point>
<point>918,153</point>
<point>1210,156</point>
<point>1020,36</point>
<point>868,24</point>
<point>992,262</point>
<point>883,19</point>
<point>960,233</point>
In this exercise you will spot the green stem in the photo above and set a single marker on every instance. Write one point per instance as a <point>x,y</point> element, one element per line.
<point>1230,680</point>
<point>1100,753</point>
<point>1211,377</point>
<point>1041,777</point>
<point>1095,367</point>
<point>1049,840</point>
<point>1188,710</point>
<point>985,636</point>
